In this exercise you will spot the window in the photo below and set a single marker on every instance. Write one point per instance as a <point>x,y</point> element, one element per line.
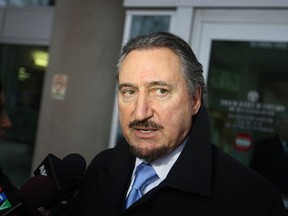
<point>25,3</point>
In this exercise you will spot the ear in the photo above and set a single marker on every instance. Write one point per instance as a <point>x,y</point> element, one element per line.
<point>196,99</point>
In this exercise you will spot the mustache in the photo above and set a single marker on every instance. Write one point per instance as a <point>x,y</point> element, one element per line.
<point>145,123</point>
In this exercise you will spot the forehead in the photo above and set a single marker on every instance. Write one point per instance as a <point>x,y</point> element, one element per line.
<point>155,64</point>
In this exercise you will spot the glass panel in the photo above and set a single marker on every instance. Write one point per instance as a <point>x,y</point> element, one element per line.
<point>248,94</point>
<point>23,3</point>
<point>144,24</point>
<point>2,3</point>
<point>22,72</point>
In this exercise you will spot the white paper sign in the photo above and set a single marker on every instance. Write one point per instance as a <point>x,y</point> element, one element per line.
<point>59,85</point>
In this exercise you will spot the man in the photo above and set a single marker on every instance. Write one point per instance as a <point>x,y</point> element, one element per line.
<point>161,101</point>
<point>270,156</point>
<point>5,123</point>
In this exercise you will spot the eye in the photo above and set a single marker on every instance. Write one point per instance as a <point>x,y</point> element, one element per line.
<point>128,93</point>
<point>161,91</point>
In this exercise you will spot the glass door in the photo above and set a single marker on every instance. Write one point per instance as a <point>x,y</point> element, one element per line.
<point>22,71</point>
<point>245,58</point>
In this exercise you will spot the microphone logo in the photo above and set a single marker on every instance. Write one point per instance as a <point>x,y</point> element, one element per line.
<point>4,202</point>
<point>42,170</point>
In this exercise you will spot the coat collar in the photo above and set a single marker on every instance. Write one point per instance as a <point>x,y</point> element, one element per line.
<point>193,169</point>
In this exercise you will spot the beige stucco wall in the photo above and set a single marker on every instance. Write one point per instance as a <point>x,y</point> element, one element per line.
<point>85,43</point>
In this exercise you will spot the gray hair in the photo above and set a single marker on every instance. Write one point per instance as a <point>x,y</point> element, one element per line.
<point>191,68</point>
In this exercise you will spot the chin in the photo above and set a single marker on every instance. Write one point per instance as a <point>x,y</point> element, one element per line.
<point>149,154</point>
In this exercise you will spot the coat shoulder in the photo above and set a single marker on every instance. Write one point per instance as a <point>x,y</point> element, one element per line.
<point>233,175</point>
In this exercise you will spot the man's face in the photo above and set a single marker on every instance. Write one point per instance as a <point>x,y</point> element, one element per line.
<point>155,108</point>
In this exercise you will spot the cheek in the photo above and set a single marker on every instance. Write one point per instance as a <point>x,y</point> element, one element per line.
<point>179,116</point>
<point>180,119</point>
<point>124,114</point>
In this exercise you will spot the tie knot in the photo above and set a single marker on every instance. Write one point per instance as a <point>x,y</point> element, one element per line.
<point>145,174</point>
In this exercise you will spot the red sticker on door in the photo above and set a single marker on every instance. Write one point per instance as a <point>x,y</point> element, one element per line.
<point>243,142</point>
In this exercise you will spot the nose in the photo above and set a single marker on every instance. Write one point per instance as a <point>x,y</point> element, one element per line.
<point>143,108</point>
<point>6,122</point>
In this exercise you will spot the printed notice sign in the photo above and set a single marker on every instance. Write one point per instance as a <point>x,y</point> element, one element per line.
<point>59,85</point>
<point>251,115</point>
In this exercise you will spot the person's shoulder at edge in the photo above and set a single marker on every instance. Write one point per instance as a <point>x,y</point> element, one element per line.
<point>235,172</point>
<point>233,177</point>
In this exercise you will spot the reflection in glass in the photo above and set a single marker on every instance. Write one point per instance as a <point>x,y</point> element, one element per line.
<point>25,3</point>
<point>248,95</point>
<point>143,24</point>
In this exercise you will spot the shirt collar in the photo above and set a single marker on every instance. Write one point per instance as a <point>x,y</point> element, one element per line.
<point>163,165</point>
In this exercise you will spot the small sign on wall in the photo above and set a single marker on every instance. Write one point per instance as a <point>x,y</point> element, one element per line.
<point>59,85</point>
<point>243,142</point>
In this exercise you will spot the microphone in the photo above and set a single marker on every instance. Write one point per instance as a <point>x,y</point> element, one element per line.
<point>39,191</point>
<point>66,173</point>
<point>36,192</point>
<point>70,171</point>
<point>55,180</point>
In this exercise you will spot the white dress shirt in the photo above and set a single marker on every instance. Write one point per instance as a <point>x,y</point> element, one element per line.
<point>161,166</point>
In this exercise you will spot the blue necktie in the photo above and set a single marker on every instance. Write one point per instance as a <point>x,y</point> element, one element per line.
<point>145,175</point>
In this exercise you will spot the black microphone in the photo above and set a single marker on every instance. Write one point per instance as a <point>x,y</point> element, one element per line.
<point>39,191</point>
<point>55,180</point>
<point>35,193</point>
<point>66,173</point>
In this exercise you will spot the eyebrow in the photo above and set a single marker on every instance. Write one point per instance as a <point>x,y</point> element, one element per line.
<point>150,84</point>
<point>122,85</point>
<point>158,83</point>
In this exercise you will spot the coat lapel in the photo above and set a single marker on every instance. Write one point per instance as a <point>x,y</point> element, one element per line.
<point>118,175</point>
<point>193,170</point>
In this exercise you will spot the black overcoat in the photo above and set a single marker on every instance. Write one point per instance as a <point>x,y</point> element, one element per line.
<point>203,181</point>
